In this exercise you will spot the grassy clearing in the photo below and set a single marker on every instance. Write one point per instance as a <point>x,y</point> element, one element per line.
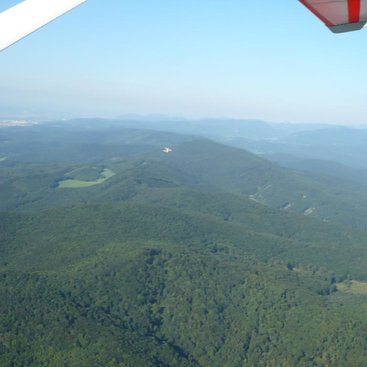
<point>353,286</point>
<point>77,184</point>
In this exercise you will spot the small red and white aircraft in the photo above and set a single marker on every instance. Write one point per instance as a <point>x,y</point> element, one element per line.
<point>30,15</point>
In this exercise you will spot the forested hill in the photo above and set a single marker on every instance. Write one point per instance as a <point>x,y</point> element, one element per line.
<point>121,255</point>
<point>31,173</point>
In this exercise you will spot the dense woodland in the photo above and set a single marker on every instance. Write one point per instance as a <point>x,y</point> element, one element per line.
<point>206,256</point>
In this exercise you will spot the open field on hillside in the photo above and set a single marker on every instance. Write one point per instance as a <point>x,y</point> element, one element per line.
<point>353,286</point>
<point>77,184</point>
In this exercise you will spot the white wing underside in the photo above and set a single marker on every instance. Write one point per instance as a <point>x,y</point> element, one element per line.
<point>30,15</point>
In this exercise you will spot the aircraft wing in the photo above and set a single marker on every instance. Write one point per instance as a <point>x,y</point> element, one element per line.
<point>339,15</point>
<point>30,15</point>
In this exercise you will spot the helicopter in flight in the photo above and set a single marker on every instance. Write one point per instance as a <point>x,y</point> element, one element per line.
<point>29,15</point>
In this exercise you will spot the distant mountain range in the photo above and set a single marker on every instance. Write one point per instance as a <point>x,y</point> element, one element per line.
<point>280,142</point>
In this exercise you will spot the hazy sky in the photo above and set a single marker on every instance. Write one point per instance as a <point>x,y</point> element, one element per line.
<point>267,59</point>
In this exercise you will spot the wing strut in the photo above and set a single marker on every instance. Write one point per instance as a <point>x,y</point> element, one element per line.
<point>30,15</point>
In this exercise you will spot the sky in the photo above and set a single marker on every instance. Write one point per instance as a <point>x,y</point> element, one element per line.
<point>270,60</point>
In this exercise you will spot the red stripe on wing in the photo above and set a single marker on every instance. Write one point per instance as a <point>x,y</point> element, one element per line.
<point>354,9</point>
